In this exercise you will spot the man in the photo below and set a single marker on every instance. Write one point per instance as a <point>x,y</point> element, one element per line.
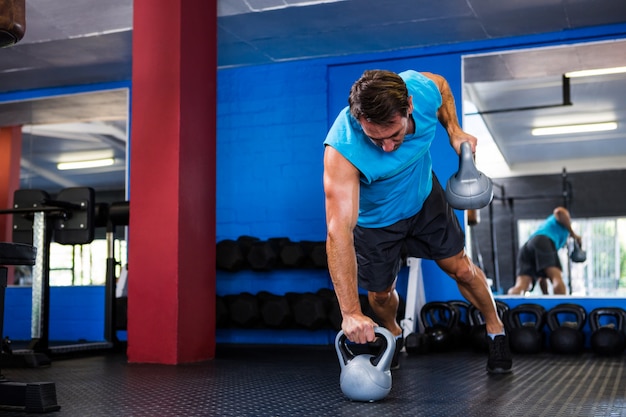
<point>383,202</point>
<point>538,258</point>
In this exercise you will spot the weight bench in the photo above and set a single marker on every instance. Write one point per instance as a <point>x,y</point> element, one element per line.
<point>36,397</point>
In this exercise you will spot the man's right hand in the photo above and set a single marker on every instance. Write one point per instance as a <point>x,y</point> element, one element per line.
<point>358,328</point>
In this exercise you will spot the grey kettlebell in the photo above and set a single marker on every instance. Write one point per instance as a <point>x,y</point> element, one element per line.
<point>578,254</point>
<point>365,377</point>
<point>468,188</point>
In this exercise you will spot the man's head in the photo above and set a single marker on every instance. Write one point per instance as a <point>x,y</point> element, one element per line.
<point>380,101</point>
<point>378,96</point>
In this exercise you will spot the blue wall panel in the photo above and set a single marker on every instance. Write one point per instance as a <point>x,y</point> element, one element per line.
<point>76,313</point>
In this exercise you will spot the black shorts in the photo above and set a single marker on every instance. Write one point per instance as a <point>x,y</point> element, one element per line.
<point>535,256</point>
<point>433,233</point>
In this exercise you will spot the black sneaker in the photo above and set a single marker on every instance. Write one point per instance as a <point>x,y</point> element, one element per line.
<point>500,361</point>
<point>395,364</point>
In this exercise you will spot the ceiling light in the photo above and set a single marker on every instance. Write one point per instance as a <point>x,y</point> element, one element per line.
<point>94,163</point>
<point>561,130</point>
<point>592,72</point>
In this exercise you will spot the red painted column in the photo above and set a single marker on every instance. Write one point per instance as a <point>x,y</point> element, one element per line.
<point>10,153</point>
<point>171,289</point>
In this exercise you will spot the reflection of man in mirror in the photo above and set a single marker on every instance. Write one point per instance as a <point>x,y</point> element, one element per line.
<point>538,258</point>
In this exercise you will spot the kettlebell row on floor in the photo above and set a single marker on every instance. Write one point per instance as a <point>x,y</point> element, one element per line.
<point>457,324</point>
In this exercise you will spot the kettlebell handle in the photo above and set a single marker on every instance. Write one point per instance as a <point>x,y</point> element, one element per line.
<point>381,361</point>
<point>467,167</point>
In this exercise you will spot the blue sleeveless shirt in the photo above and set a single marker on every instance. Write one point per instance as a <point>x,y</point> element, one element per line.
<point>554,230</point>
<point>394,185</point>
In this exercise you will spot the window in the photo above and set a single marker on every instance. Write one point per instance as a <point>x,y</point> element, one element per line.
<point>78,264</point>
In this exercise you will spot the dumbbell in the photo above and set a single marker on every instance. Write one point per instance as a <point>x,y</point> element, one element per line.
<point>243,309</point>
<point>317,254</point>
<point>309,310</point>
<point>275,310</point>
<point>333,311</point>
<point>222,318</point>
<point>293,255</point>
<point>228,255</point>
<point>264,255</point>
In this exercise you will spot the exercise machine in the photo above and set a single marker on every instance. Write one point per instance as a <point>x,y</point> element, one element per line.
<point>37,218</point>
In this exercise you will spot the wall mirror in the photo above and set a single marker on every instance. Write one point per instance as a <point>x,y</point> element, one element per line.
<point>74,140</point>
<point>550,120</point>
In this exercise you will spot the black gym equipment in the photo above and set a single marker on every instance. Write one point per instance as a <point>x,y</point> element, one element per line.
<point>222,316</point>
<point>333,312</point>
<point>36,397</point>
<point>229,256</point>
<point>248,252</point>
<point>607,326</point>
<point>417,344</point>
<point>243,310</point>
<point>317,255</point>
<point>566,322</point>
<point>309,310</point>
<point>478,331</point>
<point>293,255</point>
<point>275,310</point>
<point>37,218</point>
<point>524,324</point>
<point>115,308</point>
<point>439,318</point>
<point>461,331</point>
<point>263,255</point>
<point>468,188</point>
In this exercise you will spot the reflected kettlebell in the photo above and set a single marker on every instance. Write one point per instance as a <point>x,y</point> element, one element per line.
<point>578,254</point>
<point>468,188</point>
<point>366,377</point>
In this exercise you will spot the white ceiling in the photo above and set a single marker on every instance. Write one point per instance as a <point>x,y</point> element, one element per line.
<point>76,42</point>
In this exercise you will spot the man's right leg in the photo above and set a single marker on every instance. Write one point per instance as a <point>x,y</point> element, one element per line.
<point>385,305</point>
<point>558,286</point>
<point>473,285</point>
<point>522,284</point>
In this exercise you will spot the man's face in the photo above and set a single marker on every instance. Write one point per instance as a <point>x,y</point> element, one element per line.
<point>388,137</point>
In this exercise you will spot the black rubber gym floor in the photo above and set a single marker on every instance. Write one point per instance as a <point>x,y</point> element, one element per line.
<point>304,381</point>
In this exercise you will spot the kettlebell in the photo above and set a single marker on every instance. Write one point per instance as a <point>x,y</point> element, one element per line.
<point>607,327</point>
<point>366,377</point>
<point>578,254</point>
<point>468,188</point>
<point>524,323</point>
<point>566,322</point>
<point>461,331</point>
<point>439,318</point>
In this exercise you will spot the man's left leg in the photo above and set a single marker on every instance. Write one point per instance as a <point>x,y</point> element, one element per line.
<point>473,285</point>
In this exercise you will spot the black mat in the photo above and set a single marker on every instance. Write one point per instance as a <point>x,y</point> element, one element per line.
<point>304,381</point>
